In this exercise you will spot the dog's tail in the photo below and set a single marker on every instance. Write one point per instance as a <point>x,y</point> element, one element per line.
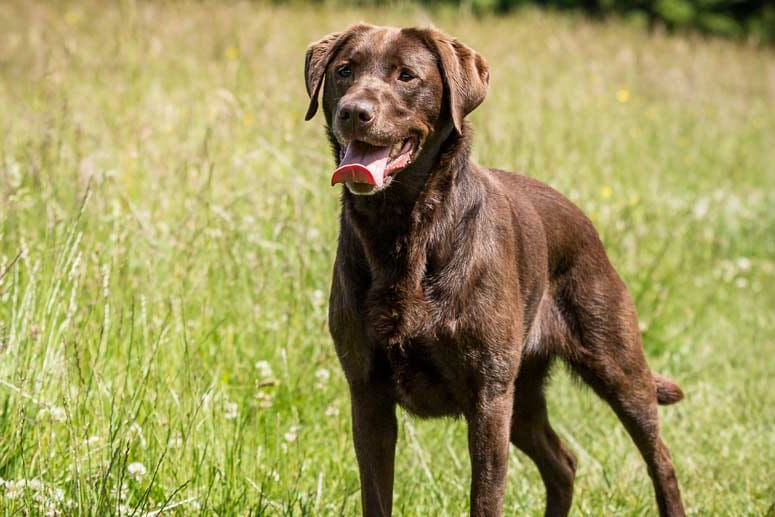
<point>668,392</point>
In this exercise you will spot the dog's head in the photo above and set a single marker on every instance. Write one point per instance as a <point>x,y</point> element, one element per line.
<point>387,91</point>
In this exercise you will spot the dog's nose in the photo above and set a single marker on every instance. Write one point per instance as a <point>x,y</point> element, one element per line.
<point>356,113</point>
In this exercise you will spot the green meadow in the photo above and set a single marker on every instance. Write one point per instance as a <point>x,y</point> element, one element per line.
<point>167,232</point>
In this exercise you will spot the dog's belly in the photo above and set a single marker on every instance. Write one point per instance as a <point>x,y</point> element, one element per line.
<point>421,384</point>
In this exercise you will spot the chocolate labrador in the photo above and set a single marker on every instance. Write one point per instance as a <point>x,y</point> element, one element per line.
<point>455,286</point>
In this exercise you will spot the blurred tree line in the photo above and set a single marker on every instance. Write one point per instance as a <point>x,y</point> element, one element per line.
<point>733,18</point>
<point>753,19</point>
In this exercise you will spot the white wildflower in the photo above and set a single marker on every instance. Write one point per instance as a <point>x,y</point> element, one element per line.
<point>332,411</point>
<point>58,495</point>
<point>322,375</point>
<point>701,208</point>
<point>292,434</point>
<point>13,489</point>
<point>58,414</point>
<point>264,369</point>
<point>264,399</point>
<point>176,441</point>
<point>136,470</point>
<point>231,410</point>
<point>215,233</point>
<point>744,264</point>
<point>34,484</point>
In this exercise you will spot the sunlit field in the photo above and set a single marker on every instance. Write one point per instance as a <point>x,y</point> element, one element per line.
<point>167,232</point>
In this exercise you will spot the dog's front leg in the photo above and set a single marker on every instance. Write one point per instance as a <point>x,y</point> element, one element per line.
<point>374,432</point>
<point>489,423</point>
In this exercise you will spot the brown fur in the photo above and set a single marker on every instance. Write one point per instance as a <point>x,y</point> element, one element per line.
<point>455,286</point>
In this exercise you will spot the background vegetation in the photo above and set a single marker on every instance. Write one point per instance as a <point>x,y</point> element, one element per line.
<point>754,19</point>
<point>167,233</point>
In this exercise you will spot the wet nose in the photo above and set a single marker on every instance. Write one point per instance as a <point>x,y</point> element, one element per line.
<point>356,113</point>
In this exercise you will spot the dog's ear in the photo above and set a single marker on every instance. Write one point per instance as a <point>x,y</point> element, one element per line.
<point>466,75</point>
<point>319,55</point>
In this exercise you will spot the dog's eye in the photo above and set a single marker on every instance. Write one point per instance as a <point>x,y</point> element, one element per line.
<point>344,71</point>
<point>406,76</point>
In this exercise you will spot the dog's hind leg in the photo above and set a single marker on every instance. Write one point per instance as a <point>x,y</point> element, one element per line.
<point>610,359</point>
<point>633,398</point>
<point>533,435</point>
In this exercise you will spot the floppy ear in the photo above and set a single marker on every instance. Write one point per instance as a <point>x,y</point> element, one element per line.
<point>466,76</point>
<point>319,55</point>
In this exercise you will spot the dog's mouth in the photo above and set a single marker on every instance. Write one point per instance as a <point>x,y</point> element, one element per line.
<point>366,168</point>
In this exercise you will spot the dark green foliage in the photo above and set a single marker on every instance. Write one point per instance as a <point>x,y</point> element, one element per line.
<point>732,18</point>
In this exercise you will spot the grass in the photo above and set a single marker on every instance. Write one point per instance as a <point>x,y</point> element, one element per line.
<point>167,234</point>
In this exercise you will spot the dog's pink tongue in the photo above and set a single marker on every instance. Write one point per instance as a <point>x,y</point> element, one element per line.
<point>362,163</point>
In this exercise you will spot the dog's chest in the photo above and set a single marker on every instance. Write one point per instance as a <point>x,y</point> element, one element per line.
<point>425,378</point>
<point>411,327</point>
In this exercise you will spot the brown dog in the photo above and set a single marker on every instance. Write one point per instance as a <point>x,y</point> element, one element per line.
<point>455,286</point>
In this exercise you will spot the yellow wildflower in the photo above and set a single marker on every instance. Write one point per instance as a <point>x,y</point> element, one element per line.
<point>623,95</point>
<point>231,53</point>
<point>72,17</point>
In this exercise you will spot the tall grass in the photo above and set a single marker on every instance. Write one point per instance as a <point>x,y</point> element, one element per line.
<point>167,234</point>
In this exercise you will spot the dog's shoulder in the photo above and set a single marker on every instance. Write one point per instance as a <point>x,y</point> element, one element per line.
<point>565,227</point>
<point>549,203</point>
